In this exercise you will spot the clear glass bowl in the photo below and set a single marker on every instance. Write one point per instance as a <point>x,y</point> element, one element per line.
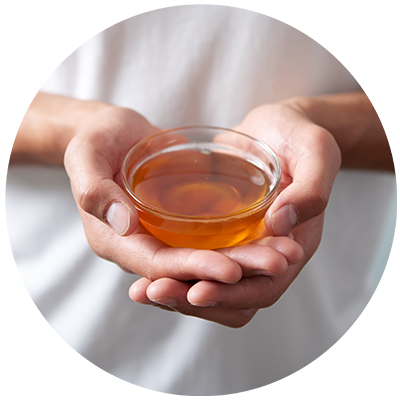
<point>201,187</point>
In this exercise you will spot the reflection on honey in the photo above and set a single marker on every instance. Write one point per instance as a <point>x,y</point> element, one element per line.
<point>204,184</point>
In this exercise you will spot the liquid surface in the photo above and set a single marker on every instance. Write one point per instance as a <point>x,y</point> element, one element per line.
<point>194,183</point>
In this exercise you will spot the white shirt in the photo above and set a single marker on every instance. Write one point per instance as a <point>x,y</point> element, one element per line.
<point>182,66</point>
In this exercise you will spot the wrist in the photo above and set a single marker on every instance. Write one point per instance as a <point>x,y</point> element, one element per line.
<point>314,108</point>
<point>343,115</point>
<point>48,126</point>
<point>354,124</point>
<point>61,123</point>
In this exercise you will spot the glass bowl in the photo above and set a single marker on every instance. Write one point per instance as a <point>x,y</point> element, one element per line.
<point>201,187</point>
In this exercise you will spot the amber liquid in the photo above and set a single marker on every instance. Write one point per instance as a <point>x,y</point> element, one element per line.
<point>200,184</point>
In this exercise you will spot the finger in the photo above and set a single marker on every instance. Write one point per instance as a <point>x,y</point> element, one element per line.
<point>172,293</point>
<point>137,293</point>
<point>250,292</point>
<point>168,292</point>
<point>258,260</point>
<point>156,260</point>
<point>286,245</point>
<point>313,171</point>
<point>147,256</point>
<point>266,256</point>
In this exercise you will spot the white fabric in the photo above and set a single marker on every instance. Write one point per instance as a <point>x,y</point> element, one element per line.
<point>197,65</point>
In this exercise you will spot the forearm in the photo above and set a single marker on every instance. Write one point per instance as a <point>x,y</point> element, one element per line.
<point>355,125</point>
<point>49,124</point>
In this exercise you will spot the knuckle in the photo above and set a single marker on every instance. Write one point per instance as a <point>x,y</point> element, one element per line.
<point>319,200</point>
<point>272,300</point>
<point>242,318</point>
<point>239,324</point>
<point>87,199</point>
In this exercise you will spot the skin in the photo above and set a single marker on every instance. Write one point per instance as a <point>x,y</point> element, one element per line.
<point>312,137</point>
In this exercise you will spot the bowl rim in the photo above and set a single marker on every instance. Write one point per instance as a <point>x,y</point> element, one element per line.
<point>209,218</point>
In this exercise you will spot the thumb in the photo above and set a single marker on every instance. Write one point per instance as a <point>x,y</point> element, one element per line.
<point>295,205</point>
<point>106,201</point>
<point>93,160</point>
<point>308,193</point>
<point>96,191</point>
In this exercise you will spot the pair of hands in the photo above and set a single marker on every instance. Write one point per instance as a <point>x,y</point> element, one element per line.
<point>228,285</point>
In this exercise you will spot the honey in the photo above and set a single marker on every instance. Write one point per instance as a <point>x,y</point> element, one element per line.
<point>196,198</point>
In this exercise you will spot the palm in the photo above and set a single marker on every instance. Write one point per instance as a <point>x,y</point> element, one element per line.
<point>226,286</point>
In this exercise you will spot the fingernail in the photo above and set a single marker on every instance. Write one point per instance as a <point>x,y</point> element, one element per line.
<point>165,301</point>
<point>205,303</point>
<point>284,220</point>
<point>145,301</point>
<point>118,216</point>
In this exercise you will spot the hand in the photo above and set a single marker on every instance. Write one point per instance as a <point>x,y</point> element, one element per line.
<point>310,160</point>
<point>93,160</point>
<point>235,304</point>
